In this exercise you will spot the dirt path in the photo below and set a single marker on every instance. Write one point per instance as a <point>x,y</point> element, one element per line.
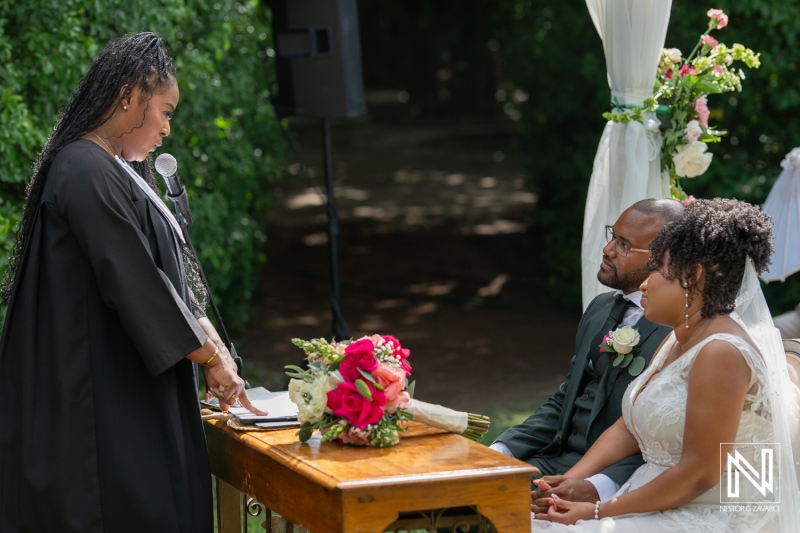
<point>434,250</point>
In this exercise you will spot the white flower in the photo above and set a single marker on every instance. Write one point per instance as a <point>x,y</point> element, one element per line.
<point>728,59</point>
<point>693,131</point>
<point>624,339</point>
<point>311,397</point>
<point>691,159</point>
<point>673,54</point>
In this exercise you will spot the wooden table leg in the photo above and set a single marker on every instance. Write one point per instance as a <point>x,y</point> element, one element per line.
<point>229,508</point>
<point>507,518</point>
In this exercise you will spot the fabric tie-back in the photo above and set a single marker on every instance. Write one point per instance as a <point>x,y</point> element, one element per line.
<point>783,205</point>
<point>627,167</point>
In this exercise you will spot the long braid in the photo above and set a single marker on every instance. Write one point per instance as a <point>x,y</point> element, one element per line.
<point>139,60</point>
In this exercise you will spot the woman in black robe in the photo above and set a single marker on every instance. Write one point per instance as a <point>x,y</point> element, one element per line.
<point>100,427</point>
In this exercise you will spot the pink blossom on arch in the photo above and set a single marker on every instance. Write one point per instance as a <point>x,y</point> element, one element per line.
<point>710,41</point>
<point>719,16</point>
<point>701,106</point>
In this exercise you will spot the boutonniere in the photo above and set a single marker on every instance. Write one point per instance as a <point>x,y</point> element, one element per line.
<point>622,341</point>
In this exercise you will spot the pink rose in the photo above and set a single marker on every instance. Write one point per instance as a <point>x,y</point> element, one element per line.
<point>345,401</point>
<point>685,69</point>
<point>701,106</point>
<point>393,381</point>
<point>605,340</point>
<point>710,41</point>
<point>688,201</point>
<point>719,16</point>
<point>358,355</point>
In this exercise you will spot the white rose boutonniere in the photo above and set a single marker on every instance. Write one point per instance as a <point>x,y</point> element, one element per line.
<point>623,342</point>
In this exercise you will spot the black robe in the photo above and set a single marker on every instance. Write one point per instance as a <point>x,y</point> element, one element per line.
<point>100,427</point>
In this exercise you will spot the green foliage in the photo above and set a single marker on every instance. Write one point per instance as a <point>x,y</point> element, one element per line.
<point>554,54</point>
<point>225,136</point>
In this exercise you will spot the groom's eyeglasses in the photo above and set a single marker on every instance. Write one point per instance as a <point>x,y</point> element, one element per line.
<point>621,246</point>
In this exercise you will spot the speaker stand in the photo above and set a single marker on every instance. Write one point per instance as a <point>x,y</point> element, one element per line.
<point>338,327</point>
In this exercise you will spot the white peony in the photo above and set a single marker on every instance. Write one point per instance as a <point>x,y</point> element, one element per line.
<point>624,339</point>
<point>311,397</point>
<point>691,159</point>
<point>693,131</point>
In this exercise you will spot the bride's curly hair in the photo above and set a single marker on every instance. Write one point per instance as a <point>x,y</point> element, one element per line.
<point>718,234</point>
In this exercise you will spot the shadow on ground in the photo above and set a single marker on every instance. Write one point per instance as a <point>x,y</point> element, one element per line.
<point>434,250</point>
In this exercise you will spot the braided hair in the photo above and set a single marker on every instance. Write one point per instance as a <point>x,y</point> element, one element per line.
<point>718,234</point>
<point>139,60</point>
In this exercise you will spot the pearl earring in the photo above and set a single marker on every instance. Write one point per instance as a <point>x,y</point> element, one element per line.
<point>686,312</point>
<point>125,108</point>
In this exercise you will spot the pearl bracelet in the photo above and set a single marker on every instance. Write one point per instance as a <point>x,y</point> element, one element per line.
<point>597,510</point>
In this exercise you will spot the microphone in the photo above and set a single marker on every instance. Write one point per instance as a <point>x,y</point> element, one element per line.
<point>167,166</point>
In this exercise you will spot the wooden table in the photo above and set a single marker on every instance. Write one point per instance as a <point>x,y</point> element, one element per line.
<point>328,487</point>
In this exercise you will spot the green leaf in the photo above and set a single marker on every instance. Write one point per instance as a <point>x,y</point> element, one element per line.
<point>306,430</point>
<point>618,360</point>
<point>368,376</point>
<point>636,366</point>
<point>410,388</point>
<point>627,360</point>
<point>363,389</point>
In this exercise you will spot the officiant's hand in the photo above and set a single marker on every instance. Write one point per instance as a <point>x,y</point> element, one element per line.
<point>212,333</point>
<point>224,383</point>
<point>566,488</point>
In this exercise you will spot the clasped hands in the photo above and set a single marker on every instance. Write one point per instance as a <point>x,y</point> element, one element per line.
<point>562,499</point>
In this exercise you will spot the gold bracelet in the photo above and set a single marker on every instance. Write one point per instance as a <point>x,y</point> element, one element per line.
<point>212,357</point>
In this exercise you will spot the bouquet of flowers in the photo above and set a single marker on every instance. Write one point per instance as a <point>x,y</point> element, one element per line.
<point>358,391</point>
<point>682,87</point>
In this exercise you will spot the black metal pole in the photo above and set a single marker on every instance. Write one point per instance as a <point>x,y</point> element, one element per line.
<point>338,326</point>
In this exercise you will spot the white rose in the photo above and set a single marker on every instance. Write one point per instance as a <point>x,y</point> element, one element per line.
<point>693,131</point>
<point>310,397</point>
<point>624,339</point>
<point>673,54</point>
<point>691,159</point>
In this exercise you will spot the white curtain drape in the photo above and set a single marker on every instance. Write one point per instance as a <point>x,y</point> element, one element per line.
<point>783,205</point>
<point>627,166</point>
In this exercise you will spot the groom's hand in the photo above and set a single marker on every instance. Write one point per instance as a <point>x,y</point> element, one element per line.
<point>570,489</point>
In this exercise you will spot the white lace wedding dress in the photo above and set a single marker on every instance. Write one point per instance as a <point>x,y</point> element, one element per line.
<point>655,414</point>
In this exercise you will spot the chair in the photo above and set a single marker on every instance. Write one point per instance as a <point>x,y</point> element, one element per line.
<point>792,349</point>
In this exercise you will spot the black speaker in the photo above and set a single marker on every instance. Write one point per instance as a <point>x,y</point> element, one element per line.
<point>318,58</point>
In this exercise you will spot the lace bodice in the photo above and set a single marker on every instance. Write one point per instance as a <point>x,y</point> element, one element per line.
<point>656,414</point>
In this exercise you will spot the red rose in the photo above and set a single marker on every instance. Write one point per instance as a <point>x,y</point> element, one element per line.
<point>345,401</point>
<point>358,355</point>
<point>400,352</point>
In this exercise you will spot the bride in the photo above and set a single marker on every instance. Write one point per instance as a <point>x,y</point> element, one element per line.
<point>718,385</point>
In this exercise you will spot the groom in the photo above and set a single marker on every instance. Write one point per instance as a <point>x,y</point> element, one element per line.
<point>557,435</point>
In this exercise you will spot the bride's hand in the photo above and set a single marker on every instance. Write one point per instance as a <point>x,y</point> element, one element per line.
<point>566,512</point>
<point>566,488</point>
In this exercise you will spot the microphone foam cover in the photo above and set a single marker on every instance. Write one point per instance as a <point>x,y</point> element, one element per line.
<point>166,165</point>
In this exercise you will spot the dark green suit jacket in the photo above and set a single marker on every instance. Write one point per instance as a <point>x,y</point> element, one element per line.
<point>544,434</point>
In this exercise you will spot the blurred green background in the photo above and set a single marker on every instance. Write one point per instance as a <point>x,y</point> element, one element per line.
<point>538,63</point>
